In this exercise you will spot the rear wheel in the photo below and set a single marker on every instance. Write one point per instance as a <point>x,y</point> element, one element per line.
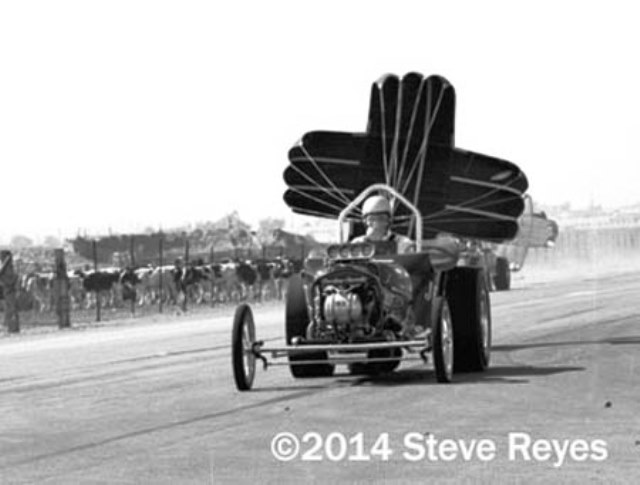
<point>468,298</point>
<point>443,343</point>
<point>243,336</point>
<point>296,323</point>
<point>502,279</point>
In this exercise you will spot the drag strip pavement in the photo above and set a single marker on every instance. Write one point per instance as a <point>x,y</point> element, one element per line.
<point>156,403</point>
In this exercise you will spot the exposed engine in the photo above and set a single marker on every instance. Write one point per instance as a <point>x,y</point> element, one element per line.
<point>352,304</point>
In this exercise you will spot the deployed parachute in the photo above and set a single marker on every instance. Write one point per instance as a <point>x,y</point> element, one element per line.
<point>409,145</point>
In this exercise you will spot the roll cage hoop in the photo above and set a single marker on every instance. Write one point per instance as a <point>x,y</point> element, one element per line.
<point>396,195</point>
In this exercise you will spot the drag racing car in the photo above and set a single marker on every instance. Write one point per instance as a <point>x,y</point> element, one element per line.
<point>371,308</point>
<point>363,305</point>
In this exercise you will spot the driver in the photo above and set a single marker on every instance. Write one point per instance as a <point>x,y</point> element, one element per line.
<point>376,212</point>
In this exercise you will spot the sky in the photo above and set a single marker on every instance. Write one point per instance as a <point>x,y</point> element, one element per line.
<point>122,115</point>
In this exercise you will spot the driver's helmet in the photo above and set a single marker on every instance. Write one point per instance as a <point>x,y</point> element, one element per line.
<point>376,204</point>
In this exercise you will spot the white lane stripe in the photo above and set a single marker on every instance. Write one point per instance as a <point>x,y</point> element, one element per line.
<point>582,293</point>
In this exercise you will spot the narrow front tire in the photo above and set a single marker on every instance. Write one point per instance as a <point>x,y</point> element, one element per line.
<point>243,336</point>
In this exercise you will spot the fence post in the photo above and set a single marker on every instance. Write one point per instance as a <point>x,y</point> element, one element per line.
<point>184,271</point>
<point>212,260</point>
<point>132,261</point>
<point>61,290</point>
<point>95,269</point>
<point>8,281</point>
<point>161,263</point>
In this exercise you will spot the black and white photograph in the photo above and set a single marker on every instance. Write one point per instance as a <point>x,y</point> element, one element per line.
<point>319,242</point>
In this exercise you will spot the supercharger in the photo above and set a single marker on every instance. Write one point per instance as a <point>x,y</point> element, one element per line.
<point>352,303</point>
<point>342,307</point>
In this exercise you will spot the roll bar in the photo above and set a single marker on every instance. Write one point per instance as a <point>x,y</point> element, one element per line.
<point>394,193</point>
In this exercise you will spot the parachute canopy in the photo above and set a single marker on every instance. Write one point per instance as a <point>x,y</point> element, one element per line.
<point>409,145</point>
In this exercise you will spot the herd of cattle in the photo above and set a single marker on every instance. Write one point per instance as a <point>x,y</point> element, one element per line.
<point>197,282</point>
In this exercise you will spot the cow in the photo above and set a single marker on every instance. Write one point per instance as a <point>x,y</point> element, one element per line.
<point>195,279</point>
<point>247,275</point>
<point>77,293</point>
<point>38,287</point>
<point>36,290</point>
<point>227,283</point>
<point>265,281</point>
<point>103,284</point>
<point>144,291</point>
<point>128,281</point>
<point>156,283</point>
<point>284,269</point>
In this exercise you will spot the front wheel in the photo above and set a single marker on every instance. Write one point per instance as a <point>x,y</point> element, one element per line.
<point>243,336</point>
<point>443,349</point>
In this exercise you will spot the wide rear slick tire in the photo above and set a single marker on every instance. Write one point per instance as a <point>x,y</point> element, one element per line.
<point>468,298</point>
<point>243,336</point>
<point>296,323</point>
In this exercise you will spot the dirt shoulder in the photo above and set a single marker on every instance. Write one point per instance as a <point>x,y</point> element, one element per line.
<point>171,316</point>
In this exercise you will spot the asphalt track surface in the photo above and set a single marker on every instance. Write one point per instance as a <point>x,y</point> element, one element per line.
<point>156,403</point>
